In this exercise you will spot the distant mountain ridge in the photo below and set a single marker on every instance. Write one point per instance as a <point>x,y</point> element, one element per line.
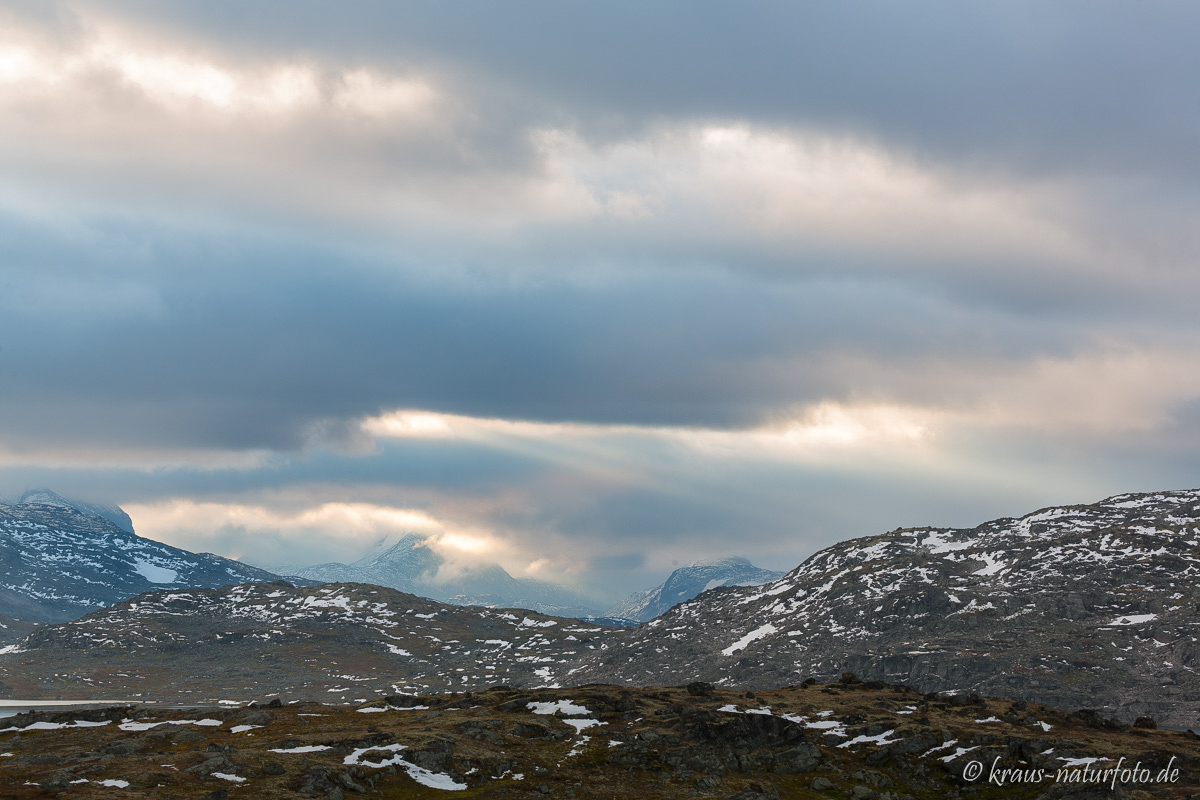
<point>687,582</point>
<point>60,559</point>
<point>411,566</point>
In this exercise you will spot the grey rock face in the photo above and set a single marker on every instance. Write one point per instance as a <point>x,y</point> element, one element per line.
<point>57,562</point>
<point>686,583</point>
<point>1091,606</point>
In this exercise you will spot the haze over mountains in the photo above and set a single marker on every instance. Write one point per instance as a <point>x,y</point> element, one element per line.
<point>64,557</point>
<point>411,566</point>
<point>687,582</point>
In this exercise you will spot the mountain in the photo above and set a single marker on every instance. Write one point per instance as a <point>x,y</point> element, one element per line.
<point>687,582</point>
<point>1079,607</point>
<point>328,641</point>
<point>1088,606</point>
<point>411,566</point>
<point>60,559</point>
<point>113,513</point>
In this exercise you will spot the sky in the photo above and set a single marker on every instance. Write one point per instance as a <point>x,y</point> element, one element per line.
<point>595,290</point>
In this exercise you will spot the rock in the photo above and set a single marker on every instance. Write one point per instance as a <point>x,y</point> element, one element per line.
<point>872,778</point>
<point>56,782</point>
<point>40,758</point>
<point>755,791</point>
<point>802,758</point>
<point>861,792</point>
<point>821,784</point>
<point>1145,722</point>
<point>216,763</point>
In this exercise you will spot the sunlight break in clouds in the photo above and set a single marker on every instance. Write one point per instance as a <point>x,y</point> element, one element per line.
<point>183,82</point>
<point>827,425</point>
<point>268,534</point>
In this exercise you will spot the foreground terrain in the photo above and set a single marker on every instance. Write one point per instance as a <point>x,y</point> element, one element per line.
<point>868,741</point>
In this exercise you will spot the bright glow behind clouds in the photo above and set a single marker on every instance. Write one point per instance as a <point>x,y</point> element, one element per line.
<point>190,83</point>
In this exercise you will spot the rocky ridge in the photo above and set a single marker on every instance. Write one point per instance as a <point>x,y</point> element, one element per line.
<point>331,641</point>
<point>1089,606</point>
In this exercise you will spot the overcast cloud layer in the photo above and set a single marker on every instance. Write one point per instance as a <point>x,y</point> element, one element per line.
<point>594,290</point>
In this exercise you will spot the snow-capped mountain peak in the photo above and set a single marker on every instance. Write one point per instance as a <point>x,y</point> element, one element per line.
<point>62,561</point>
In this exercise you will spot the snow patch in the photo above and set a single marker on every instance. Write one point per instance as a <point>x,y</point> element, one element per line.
<point>308,748</point>
<point>757,633</point>
<point>155,573</point>
<point>565,706</point>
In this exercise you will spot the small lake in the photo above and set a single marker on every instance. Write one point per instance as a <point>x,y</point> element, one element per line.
<point>10,707</point>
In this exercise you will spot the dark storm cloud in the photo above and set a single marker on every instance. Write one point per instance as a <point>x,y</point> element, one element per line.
<point>236,344</point>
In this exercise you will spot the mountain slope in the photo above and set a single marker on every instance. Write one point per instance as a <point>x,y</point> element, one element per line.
<point>411,566</point>
<point>58,563</point>
<point>687,582</point>
<point>1080,606</point>
<point>329,641</point>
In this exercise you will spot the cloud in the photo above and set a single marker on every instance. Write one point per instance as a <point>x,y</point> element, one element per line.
<point>166,126</point>
<point>277,529</point>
